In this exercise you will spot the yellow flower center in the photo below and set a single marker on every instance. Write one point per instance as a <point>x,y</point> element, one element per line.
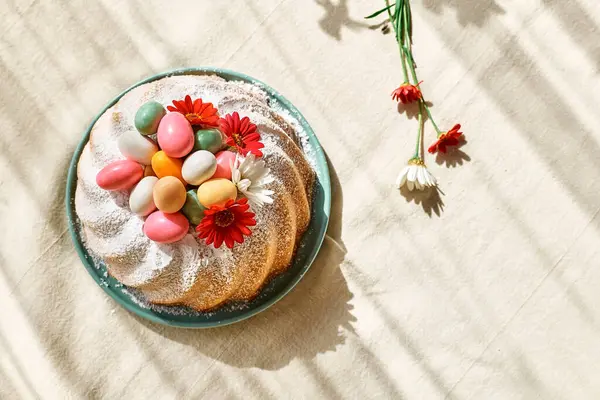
<point>416,161</point>
<point>237,138</point>
<point>192,116</point>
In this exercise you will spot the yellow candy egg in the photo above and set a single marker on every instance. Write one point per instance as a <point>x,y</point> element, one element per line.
<point>216,192</point>
<point>169,194</point>
<point>163,165</point>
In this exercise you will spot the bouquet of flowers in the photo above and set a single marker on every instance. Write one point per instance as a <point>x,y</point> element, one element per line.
<point>415,175</point>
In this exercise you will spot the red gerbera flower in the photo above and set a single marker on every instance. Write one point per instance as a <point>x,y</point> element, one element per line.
<point>228,223</point>
<point>407,93</point>
<point>450,138</point>
<point>241,134</point>
<point>197,112</point>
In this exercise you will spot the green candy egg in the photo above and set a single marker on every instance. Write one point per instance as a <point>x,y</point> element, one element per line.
<point>192,209</point>
<point>208,139</point>
<point>148,117</point>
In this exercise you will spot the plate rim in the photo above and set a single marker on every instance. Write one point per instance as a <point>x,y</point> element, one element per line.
<point>141,312</point>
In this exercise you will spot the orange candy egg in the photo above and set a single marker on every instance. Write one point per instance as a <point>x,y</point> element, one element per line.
<point>169,194</point>
<point>163,165</point>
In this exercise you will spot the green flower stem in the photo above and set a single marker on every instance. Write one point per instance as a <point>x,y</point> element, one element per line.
<point>425,106</point>
<point>406,37</point>
<point>388,6</point>
<point>404,40</point>
<point>408,50</point>
<point>406,22</point>
<point>419,146</point>
<point>411,65</point>
<point>407,47</point>
<point>437,130</point>
<point>402,56</point>
<point>403,61</point>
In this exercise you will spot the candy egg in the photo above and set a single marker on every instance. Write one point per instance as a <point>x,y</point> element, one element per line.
<point>119,175</point>
<point>216,192</point>
<point>199,167</point>
<point>169,194</point>
<point>148,117</point>
<point>135,147</point>
<point>166,228</point>
<point>209,140</point>
<point>192,209</point>
<point>224,161</point>
<point>141,200</point>
<point>163,165</point>
<point>175,135</point>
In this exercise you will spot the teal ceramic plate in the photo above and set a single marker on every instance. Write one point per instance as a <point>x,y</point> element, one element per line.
<point>275,289</point>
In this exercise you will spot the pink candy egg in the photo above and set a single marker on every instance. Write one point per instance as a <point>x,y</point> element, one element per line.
<point>224,160</point>
<point>166,228</point>
<point>119,175</point>
<point>175,135</point>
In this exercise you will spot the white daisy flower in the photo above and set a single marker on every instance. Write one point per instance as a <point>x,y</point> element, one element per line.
<point>416,176</point>
<point>251,176</point>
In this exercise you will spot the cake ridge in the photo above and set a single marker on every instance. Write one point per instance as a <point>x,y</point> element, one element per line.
<point>189,272</point>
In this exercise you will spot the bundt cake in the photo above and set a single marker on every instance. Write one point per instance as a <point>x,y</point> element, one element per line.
<point>200,268</point>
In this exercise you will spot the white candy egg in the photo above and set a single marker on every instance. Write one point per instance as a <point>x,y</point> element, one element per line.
<point>199,167</point>
<point>136,147</point>
<point>141,200</point>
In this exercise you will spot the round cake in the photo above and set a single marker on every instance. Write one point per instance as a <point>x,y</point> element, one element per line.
<point>221,245</point>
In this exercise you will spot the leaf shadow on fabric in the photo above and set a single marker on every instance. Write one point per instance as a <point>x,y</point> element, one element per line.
<point>310,320</point>
<point>468,12</point>
<point>48,278</point>
<point>569,12</point>
<point>337,16</point>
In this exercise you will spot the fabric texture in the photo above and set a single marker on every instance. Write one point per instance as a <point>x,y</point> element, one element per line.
<point>489,290</point>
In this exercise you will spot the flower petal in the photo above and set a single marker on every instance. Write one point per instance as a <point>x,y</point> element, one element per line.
<point>412,173</point>
<point>251,137</point>
<point>401,180</point>
<point>434,147</point>
<point>235,122</point>
<point>431,179</point>
<point>421,176</point>
<point>219,237</point>
<point>188,103</point>
<point>229,241</point>
<point>244,184</point>
<point>236,234</point>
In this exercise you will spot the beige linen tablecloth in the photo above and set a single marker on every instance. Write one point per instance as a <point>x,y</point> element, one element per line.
<point>490,291</point>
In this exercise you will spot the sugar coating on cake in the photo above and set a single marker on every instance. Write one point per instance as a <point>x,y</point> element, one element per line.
<point>189,272</point>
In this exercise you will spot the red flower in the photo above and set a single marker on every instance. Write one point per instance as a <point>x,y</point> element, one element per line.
<point>197,112</point>
<point>450,138</point>
<point>241,134</point>
<point>227,224</point>
<point>407,93</point>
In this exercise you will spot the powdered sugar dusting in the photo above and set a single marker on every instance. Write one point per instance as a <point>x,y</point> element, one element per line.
<point>189,272</point>
<point>304,141</point>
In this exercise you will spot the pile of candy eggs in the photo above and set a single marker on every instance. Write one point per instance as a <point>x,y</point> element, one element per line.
<point>174,177</point>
